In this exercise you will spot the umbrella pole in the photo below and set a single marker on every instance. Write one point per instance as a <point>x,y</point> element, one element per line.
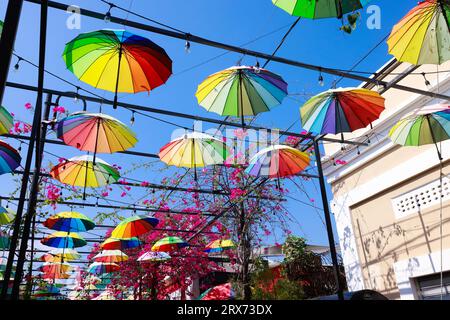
<point>118,75</point>
<point>85,180</point>
<point>241,99</point>
<point>96,141</point>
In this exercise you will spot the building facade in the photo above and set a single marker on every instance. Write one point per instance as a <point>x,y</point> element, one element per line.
<point>386,198</point>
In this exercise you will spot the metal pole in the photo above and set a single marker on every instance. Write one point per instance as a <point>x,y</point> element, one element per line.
<point>34,190</point>
<point>8,38</point>
<point>329,226</point>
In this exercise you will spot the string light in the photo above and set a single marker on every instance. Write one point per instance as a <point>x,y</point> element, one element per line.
<point>17,65</point>
<point>427,83</point>
<point>321,81</point>
<point>187,45</point>
<point>76,98</point>
<point>132,118</point>
<point>107,17</point>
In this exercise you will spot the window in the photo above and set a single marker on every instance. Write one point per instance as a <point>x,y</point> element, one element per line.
<point>428,287</point>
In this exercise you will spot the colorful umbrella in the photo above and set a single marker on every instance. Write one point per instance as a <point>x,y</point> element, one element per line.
<point>60,255</point>
<point>100,267</point>
<point>428,126</point>
<point>341,110</point>
<point>62,239</point>
<point>9,158</point>
<point>317,9</point>
<point>117,61</point>
<point>54,276</point>
<point>6,121</point>
<point>423,35</point>
<point>241,91</point>
<point>194,150</point>
<point>111,256</point>
<point>83,172</point>
<point>219,245</point>
<point>221,292</point>
<point>151,256</point>
<point>134,226</point>
<point>55,268</point>
<point>69,222</point>
<point>95,132</point>
<point>6,216</point>
<point>278,161</point>
<point>168,244</point>
<point>120,244</point>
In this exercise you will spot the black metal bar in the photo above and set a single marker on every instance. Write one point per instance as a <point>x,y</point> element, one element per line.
<point>34,190</point>
<point>207,42</point>
<point>329,226</point>
<point>7,40</point>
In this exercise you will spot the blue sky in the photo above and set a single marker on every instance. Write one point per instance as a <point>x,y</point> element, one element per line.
<point>231,21</point>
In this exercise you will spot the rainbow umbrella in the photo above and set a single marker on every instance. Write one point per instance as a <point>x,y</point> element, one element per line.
<point>168,244</point>
<point>62,239</point>
<point>120,244</point>
<point>117,61</point>
<point>95,132</point>
<point>84,172</point>
<point>219,245</point>
<point>6,121</point>
<point>60,255</point>
<point>69,222</point>
<point>101,267</point>
<point>9,158</point>
<point>194,150</point>
<point>341,110</point>
<point>241,91</point>
<point>220,292</point>
<point>278,161</point>
<point>430,125</point>
<point>55,267</point>
<point>317,9</point>
<point>423,35</point>
<point>134,226</point>
<point>152,256</point>
<point>111,256</point>
<point>6,216</point>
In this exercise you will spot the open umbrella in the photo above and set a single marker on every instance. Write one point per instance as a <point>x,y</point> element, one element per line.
<point>341,110</point>
<point>60,255</point>
<point>55,267</point>
<point>117,61</point>
<point>278,161</point>
<point>168,244</point>
<point>151,256</point>
<point>110,256</point>
<point>101,267</point>
<point>6,216</point>
<point>9,158</point>
<point>95,132</point>
<point>51,277</point>
<point>430,125</point>
<point>220,292</point>
<point>219,245</point>
<point>120,244</point>
<point>317,9</point>
<point>241,91</point>
<point>134,226</point>
<point>62,239</point>
<point>83,172</point>
<point>6,121</point>
<point>69,221</point>
<point>423,35</point>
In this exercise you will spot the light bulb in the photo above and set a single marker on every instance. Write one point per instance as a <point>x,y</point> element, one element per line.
<point>187,47</point>
<point>107,17</point>
<point>321,82</point>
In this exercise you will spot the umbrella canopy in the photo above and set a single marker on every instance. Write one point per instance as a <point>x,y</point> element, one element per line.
<point>168,244</point>
<point>62,239</point>
<point>194,150</point>
<point>95,132</point>
<point>100,267</point>
<point>117,61</point>
<point>82,172</point>
<point>111,256</point>
<point>120,244</point>
<point>134,226</point>
<point>219,245</point>
<point>341,110</point>
<point>6,120</point>
<point>55,267</point>
<point>54,276</point>
<point>317,9</point>
<point>221,292</point>
<point>60,255</point>
<point>241,91</point>
<point>9,158</point>
<point>6,215</point>
<point>429,126</point>
<point>152,256</point>
<point>69,222</point>
<point>423,35</point>
<point>278,161</point>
